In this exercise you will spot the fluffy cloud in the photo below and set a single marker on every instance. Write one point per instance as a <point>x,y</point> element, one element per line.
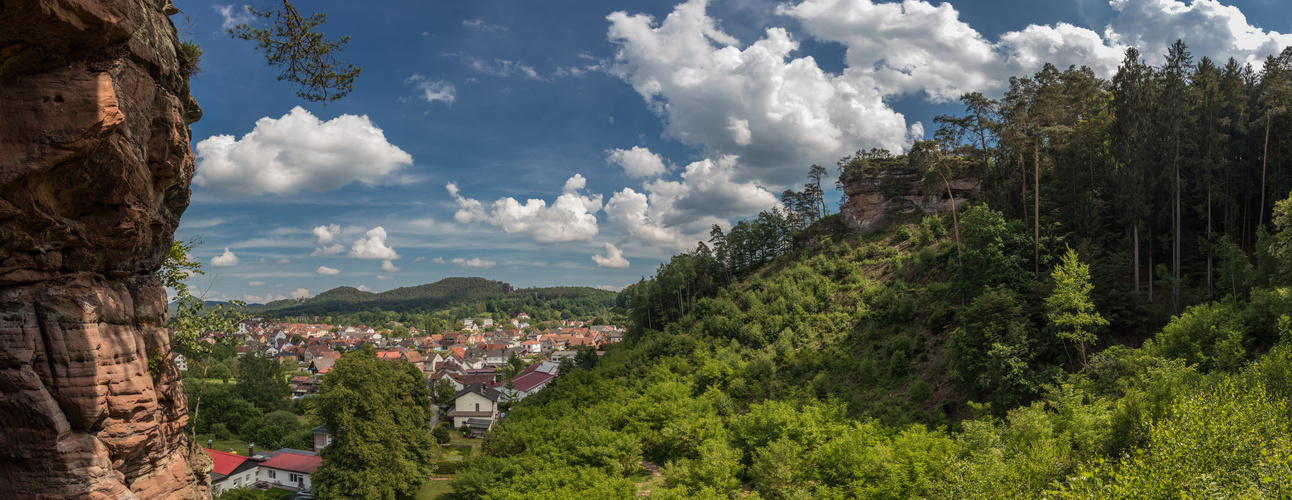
<point>298,152</point>
<point>756,102</point>
<point>256,283</point>
<point>283,262</point>
<point>572,217</point>
<point>326,236</point>
<point>383,277</point>
<point>1209,27</point>
<point>438,260</point>
<point>374,246</point>
<point>432,91</point>
<point>327,271</point>
<point>364,288</point>
<point>613,258</point>
<point>228,259</point>
<point>389,266</point>
<point>477,262</point>
<point>419,259</point>
<point>256,299</point>
<point>300,293</point>
<point>637,162</point>
<point>676,214</point>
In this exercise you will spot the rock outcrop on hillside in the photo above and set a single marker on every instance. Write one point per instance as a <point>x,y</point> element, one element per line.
<point>876,196</point>
<point>95,166</point>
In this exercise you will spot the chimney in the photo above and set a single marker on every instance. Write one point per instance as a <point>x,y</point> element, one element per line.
<point>251,449</point>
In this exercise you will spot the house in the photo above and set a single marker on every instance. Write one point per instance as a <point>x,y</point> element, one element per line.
<point>531,380</point>
<point>321,438</point>
<point>290,468</point>
<point>180,361</point>
<point>476,407</point>
<point>231,470</point>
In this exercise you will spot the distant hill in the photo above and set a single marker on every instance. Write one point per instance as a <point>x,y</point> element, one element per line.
<point>348,299</point>
<point>173,307</point>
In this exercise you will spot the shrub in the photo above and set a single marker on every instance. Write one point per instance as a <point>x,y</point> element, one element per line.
<point>441,434</point>
<point>919,390</point>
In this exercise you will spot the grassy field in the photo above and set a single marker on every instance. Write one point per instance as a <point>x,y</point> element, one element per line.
<point>433,490</point>
<point>456,438</point>
<point>453,454</point>
<point>240,447</point>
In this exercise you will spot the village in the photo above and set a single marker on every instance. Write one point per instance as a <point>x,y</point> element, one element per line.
<point>486,366</point>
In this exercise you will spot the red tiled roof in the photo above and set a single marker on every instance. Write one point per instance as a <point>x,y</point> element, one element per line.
<point>223,462</point>
<point>294,462</point>
<point>530,380</point>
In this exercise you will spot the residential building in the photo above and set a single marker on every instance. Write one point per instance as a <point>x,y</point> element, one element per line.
<point>290,468</point>
<point>476,407</point>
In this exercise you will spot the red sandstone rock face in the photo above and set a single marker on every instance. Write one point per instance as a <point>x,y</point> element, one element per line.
<point>95,167</point>
<point>875,197</point>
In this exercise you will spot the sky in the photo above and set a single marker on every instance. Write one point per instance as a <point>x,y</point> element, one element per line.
<point>582,143</point>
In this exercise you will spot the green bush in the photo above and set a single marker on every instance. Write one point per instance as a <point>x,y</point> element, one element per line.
<point>919,390</point>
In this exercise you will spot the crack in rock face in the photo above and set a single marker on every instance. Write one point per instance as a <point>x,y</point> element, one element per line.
<point>95,166</point>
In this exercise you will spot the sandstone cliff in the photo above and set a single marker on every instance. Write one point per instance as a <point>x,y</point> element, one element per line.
<point>95,167</point>
<point>875,196</point>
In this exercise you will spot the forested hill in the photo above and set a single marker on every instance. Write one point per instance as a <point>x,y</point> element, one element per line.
<point>345,299</point>
<point>438,306</point>
<point>1109,317</point>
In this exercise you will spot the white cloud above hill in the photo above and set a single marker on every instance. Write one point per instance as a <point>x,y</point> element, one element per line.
<point>298,152</point>
<point>572,217</point>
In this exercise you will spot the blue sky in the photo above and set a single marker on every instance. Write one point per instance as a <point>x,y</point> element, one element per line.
<point>583,142</point>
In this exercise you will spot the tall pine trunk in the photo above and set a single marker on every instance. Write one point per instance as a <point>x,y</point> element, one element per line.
<point>1036,193</point>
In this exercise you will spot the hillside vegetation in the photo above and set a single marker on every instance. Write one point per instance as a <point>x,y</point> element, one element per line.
<point>1110,318</point>
<point>436,307</point>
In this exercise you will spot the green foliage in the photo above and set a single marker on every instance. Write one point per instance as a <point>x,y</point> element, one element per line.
<point>378,413</point>
<point>444,390</point>
<point>190,59</point>
<point>1232,440</point>
<point>990,257</point>
<point>262,381</point>
<point>306,58</point>
<point>1069,306</point>
<point>992,355</point>
<point>1208,335</point>
<point>441,434</point>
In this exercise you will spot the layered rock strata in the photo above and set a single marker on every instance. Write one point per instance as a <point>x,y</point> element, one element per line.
<point>876,196</point>
<point>95,167</point>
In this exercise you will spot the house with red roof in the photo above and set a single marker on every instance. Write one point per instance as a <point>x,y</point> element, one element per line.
<point>231,470</point>
<point>290,468</point>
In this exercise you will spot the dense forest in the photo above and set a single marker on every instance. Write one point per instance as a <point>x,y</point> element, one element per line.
<point>436,307</point>
<point>1109,318</point>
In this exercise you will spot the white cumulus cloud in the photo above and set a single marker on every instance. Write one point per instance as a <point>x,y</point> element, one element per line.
<point>256,283</point>
<point>389,266</point>
<point>282,262</point>
<point>364,288</point>
<point>475,262</point>
<point>227,259</point>
<point>438,90</point>
<point>637,162</point>
<point>572,217</point>
<point>327,271</point>
<point>298,152</point>
<point>756,102</point>
<point>326,236</point>
<point>373,246</point>
<point>300,293</point>
<point>676,215</point>
<point>613,258</point>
